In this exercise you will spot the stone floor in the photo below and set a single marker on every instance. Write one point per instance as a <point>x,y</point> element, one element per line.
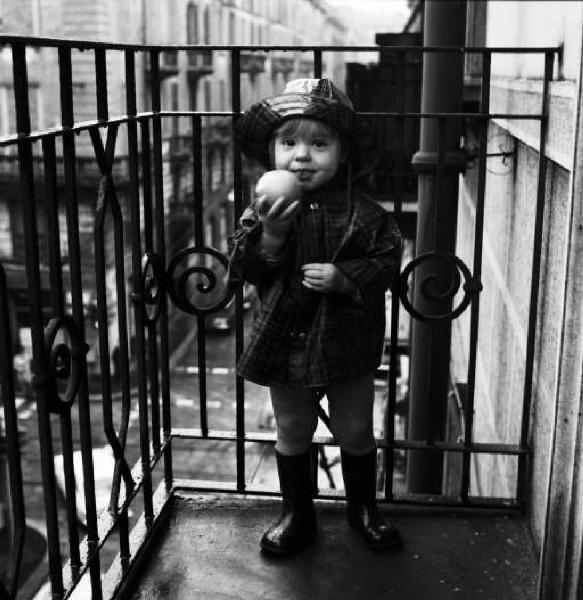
<point>210,550</point>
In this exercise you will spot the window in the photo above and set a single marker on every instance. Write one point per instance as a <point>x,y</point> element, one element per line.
<point>173,96</point>
<point>207,26</point>
<point>223,94</point>
<point>6,126</point>
<point>232,32</point>
<point>192,93</point>
<point>192,24</point>
<point>5,235</point>
<point>208,96</point>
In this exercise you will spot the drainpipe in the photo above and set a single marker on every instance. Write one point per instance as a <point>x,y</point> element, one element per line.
<point>444,25</point>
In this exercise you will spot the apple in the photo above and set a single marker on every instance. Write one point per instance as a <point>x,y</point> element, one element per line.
<point>278,183</point>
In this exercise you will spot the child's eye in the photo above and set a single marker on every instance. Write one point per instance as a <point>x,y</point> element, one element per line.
<point>289,142</point>
<point>320,143</point>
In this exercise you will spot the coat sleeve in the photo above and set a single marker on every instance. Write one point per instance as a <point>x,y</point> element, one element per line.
<point>247,262</point>
<point>376,264</point>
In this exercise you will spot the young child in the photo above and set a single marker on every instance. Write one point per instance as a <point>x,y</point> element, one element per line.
<point>322,263</point>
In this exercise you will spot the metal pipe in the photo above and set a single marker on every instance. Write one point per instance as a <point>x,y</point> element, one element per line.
<point>438,164</point>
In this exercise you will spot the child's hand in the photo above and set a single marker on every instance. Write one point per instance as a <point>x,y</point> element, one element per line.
<point>323,277</point>
<point>277,217</point>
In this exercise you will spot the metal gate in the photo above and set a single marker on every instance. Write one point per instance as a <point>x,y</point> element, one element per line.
<point>137,277</point>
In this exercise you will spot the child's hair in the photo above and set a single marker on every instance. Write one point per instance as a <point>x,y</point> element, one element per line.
<point>304,126</point>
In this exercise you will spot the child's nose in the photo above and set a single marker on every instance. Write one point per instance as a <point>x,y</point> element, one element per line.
<point>302,151</point>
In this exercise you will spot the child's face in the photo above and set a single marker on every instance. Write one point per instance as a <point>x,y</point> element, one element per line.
<point>309,149</point>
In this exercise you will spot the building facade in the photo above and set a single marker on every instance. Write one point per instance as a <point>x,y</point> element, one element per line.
<point>194,80</point>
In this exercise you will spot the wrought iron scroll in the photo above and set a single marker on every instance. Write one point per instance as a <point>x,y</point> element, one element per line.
<point>182,289</point>
<point>429,285</point>
<point>65,361</point>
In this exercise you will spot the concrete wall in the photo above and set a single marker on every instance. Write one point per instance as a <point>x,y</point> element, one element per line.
<point>508,241</point>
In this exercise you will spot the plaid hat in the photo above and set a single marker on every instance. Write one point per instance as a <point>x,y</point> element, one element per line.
<point>316,99</point>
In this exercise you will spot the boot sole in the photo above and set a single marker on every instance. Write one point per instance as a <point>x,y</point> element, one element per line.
<point>282,552</point>
<point>391,544</point>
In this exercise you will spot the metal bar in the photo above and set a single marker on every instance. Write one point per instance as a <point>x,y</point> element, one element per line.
<point>20,77</point>
<point>102,317</point>
<point>121,468</point>
<point>477,273</point>
<point>535,281</point>
<point>317,64</point>
<point>155,80</point>
<point>137,283</point>
<point>71,208</point>
<point>238,208</point>
<point>52,206</point>
<point>12,440</point>
<point>89,45</point>
<point>107,198</point>
<point>478,448</point>
<point>390,412</point>
<point>70,489</point>
<point>161,248</point>
<point>149,246</point>
<point>39,367</point>
<point>66,87</point>
<point>199,242</point>
<point>101,84</point>
<point>11,140</point>
<point>197,201</point>
<point>429,501</point>
<point>124,536</point>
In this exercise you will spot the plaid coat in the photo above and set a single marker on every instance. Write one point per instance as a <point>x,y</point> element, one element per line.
<point>341,335</point>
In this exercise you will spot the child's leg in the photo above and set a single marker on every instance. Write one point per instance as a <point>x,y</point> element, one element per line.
<point>296,418</point>
<point>351,420</point>
<point>351,408</point>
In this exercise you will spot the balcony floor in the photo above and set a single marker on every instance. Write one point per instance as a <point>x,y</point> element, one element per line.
<point>210,550</point>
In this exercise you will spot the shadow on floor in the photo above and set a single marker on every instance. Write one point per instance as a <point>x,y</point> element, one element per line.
<point>210,550</point>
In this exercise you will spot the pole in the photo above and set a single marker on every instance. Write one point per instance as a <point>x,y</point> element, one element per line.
<point>438,164</point>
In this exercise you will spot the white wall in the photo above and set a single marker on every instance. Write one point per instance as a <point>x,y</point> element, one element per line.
<point>525,23</point>
<point>508,241</point>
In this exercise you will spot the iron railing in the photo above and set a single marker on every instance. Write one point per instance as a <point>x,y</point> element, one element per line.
<point>59,368</point>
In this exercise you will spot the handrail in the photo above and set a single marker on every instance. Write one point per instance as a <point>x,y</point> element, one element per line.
<point>90,45</point>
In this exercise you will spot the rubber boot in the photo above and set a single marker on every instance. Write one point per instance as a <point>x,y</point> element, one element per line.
<point>359,474</point>
<point>296,526</point>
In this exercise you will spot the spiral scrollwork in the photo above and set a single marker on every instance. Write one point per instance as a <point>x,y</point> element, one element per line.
<point>197,280</point>
<point>65,360</point>
<point>433,287</point>
<point>152,286</point>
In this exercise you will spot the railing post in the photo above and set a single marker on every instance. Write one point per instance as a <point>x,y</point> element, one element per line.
<point>438,164</point>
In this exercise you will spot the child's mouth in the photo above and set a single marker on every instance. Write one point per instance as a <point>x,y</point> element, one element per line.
<point>304,175</point>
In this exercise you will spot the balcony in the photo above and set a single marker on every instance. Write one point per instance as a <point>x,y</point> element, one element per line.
<point>306,67</point>
<point>212,542</point>
<point>156,477</point>
<point>252,63</point>
<point>168,62</point>
<point>282,63</point>
<point>199,63</point>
